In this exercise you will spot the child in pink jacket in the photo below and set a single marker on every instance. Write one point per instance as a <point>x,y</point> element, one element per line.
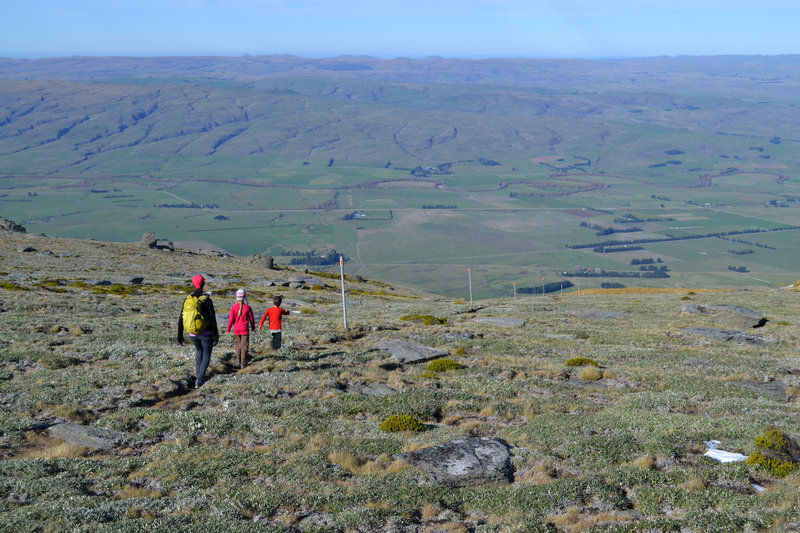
<point>242,320</point>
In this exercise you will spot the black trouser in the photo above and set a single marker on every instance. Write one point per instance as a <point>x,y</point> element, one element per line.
<point>202,356</point>
<point>276,339</point>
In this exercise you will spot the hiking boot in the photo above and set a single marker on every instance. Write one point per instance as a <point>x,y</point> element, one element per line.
<point>198,384</point>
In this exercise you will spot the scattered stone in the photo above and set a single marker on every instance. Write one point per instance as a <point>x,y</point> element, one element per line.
<point>772,389</point>
<point>26,249</point>
<point>695,362</point>
<point>459,336</point>
<point>89,437</point>
<point>465,462</point>
<point>10,225</point>
<point>136,280</point>
<point>370,389</point>
<point>731,315</point>
<point>149,240</point>
<point>162,244</point>
<point>503,321</point>
<point>589,384</point>
<point>406,351</point>
<point>727,335</point>
<point>318,522</point>
<point>102,283</point>
<point>602,315</point>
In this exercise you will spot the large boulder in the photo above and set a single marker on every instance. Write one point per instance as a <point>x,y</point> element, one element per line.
<point>734,316</point>
<point>464,462</point>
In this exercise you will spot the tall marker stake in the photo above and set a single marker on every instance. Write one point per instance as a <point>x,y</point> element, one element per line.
<point>469,273</point>
<point>515,290</point>
<point>344,300</point>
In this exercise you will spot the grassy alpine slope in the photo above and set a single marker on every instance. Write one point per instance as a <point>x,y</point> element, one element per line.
<point>289,444</point>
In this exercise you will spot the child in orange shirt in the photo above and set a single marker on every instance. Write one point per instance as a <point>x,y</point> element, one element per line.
<point>275,315</point>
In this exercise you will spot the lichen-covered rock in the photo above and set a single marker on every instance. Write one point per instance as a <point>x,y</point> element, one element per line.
<point>406,351</point>
<point>89,437</point>
<point>464,462</point>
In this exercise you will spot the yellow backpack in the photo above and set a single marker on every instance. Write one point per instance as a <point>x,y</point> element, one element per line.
<point>193,320</point>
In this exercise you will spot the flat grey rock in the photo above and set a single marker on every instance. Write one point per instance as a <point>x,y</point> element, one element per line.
<point>602,315</point>
<point>503,321</point>
<point>405,351</point>
<point>89,437</point>
<point>464,462</point>
<point>727,335</point>
<point>730,315</point>
<point>773,389</point>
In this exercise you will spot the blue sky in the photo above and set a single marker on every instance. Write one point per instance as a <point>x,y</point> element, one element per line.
<point>394,28</point>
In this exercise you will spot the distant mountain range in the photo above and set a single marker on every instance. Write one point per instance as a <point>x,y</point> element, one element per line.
<point>137,115</point>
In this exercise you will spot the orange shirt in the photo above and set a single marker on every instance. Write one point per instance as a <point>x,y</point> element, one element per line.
<point>274,314</point>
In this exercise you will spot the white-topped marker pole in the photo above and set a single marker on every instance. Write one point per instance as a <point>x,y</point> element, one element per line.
<point>469,273</point>
<point>344,300</point>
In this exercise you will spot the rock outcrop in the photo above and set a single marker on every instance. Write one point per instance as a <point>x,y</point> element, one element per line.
<point>262,260</point>
<point>726,335</point>
<point>734,316</point>
<point>149,240</point>
<point>10,225</point>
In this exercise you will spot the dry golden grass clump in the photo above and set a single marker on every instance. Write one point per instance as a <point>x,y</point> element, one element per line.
<point>428,320</point>
<point>589,373</point>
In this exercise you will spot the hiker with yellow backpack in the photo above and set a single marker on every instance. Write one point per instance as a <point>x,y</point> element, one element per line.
<point>199,320</point>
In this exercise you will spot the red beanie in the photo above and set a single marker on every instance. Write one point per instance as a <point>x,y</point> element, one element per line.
<point>198,281</point>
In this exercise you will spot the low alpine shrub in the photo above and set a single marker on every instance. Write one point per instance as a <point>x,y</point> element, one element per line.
<point>402,423</point>
<point>581,361</point>
<point>443,365</point>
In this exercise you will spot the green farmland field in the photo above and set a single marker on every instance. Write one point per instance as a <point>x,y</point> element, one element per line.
<point>417,172</point>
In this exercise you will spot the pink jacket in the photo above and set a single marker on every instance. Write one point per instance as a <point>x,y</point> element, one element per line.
<point>241,324</point>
